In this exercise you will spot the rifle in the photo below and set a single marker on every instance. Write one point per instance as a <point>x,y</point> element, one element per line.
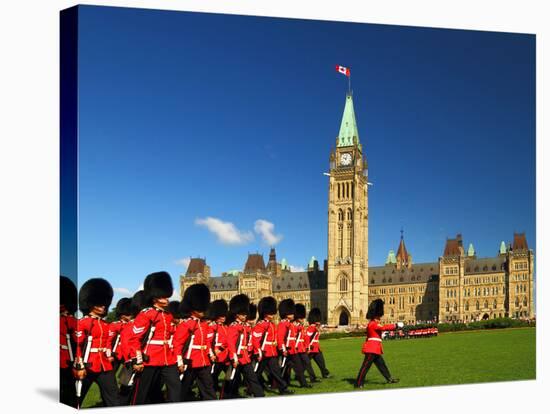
<point>215,342</point>
<point>78,383</point>
<point>116,343</point>
<point>188,355</point>
<point>239,348</point>
<point>264,339</point>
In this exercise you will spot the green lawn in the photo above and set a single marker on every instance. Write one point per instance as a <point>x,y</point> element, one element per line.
<point>450,358</point>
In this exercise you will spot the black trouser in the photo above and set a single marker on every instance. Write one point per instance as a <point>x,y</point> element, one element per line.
<point>271,365</point>
<point>67,390</point>
<point>249,376</point>
<point>365,366</point>
<point>148,380</point>
<point>204,382</point>
<point>107,387</point>
<point>306,363</point>
<point>294,362</point>
<point>124,376</point>
<point>218,368</point>
<point>320,361</point>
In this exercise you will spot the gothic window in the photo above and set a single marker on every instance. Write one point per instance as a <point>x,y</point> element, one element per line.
<point>447,307</point>
<point>494,304</point>
<point>348,238</point>
<point>384,280</point>
<point>340,215</point>
<point>477,305</point>
<point>340,240</point>
<point>338,190</point>
<point>390,280</point>
<point>349,214</point>
<point>343,283</point>
<point>524,301</point>
<point>455,306</point>
<point>485,305</point>
<point>372,281</point>
<point>466,306</point>
<point>494,267</point>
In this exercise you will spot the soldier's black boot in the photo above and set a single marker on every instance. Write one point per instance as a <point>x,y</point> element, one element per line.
<point>393,381</point>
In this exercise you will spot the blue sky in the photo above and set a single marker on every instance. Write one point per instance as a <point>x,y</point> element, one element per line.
<point>207,135</point>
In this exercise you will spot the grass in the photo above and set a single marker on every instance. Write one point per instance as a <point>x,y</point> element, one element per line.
<point>450,358</point>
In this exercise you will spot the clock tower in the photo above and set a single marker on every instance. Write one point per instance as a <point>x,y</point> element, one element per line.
<point>347,277</point>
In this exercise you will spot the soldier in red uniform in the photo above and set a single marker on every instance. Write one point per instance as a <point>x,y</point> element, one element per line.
<point>124,313</point>
<point>217,313</point>
<point>286,343</point>
<point>301,341</point>
<point>237,341</point>
<point>264,344</point>
<point>312,334</point>
<point>372,348</point>
<point>149,345</point>
<point>193,343</point>
<point>67,340</point>
<point>93,362</point>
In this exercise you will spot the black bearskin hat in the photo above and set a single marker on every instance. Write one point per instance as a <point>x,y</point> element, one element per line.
<point>217,309</point>
<point>68,294</point>
<point>376,309</point>
<point>239,305</point>
<point>300,311</point>
<point>139,301</point>
<point>158,285</point>
<point>267,306</point>
<point>286,307</point>
<point>314,316</point>
<point>95,292</point>
<point>124,307</point>
<point>252,312</point>
<point>173,308</point>
<point>196,298</point>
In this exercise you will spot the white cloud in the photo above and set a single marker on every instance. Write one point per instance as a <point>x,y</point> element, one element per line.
<point>183,262</point>
<point>297,268</point>
<point>266,229</point>
<point>225,231</point>
<point>122,291</point>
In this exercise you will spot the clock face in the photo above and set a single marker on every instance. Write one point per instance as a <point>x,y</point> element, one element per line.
<point>345,159</point>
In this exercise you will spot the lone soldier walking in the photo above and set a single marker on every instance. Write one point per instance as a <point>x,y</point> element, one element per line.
<point>372,348</point>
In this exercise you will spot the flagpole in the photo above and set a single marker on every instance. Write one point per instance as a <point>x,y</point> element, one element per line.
<point>349,83</point>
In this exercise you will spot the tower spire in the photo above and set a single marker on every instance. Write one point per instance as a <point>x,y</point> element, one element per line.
<point>349,134</point>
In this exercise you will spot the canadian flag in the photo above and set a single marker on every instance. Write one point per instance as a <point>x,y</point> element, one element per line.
<point>343,70</point>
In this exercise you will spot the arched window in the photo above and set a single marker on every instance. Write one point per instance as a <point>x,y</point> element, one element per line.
<point>447,307</point>
<point>338,190</point>
<point>349,214</point>
<point>517,302</point>
<point>340,215</point>
<point>477,305</point>
<point>455,306</point>
<point>494,304</point>
<point>524,301</point>
<point>343,284</point>
<point>466,306</point>
<point>485,305</point>
<point>340,239</point>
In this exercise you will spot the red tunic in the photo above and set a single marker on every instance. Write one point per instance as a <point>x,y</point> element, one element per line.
<point>199,347</point>
<point>159,349</point>
<point>373,342</point>
<point>312,341</point>
<point>123,349</point>
<point>114,333</point>
<point>237,343</point>
<point>300,338</point>
<point>264,341</point>
<point>286,336</point>
<point>219,342</point>
<point>67,326</point>
<point>97,330</point>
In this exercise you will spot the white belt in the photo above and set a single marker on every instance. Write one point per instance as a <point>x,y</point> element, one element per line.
<point>198,347</point>
<point>269,343</point>
<point>64,347</point>
<point>291,338</point>
<point>158,342</point>
<point>300,340</point>
<point>98,349</point>
<point>374,339</point>
<point>315,340</point>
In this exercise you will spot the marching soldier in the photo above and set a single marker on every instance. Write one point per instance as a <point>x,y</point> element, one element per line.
<point>312,342</point>
<point>149,344</point>
<point>286,343</point>
<point>264,340</point>
<point>237,340</point>
<point>93,362</point>
<point>193,343</point>
<point>301,341</point>
<point>67,340</point>
<point>372,348</point>
<point>217,312</point>
<point>124,313</point>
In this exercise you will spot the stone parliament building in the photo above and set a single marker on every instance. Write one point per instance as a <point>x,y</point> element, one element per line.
<point>459,286</point>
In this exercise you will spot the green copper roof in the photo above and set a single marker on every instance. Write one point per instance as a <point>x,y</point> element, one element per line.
<point>471,251</point>
<point>502,247</point>
<point>391,258</point>
<point>312,261</point>
<point>284,264</point>
<point>234,272</point>
<point>349,133</point>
